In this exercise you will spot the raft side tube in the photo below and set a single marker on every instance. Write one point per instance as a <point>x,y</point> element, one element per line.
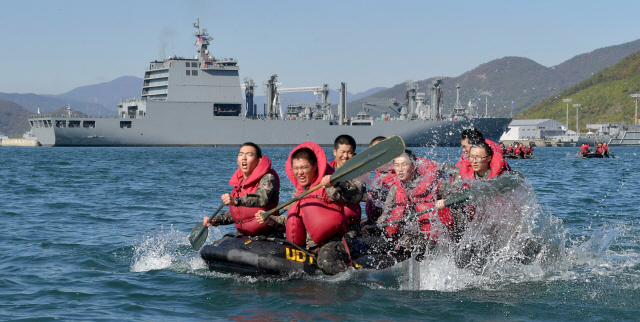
<point>250,256</point>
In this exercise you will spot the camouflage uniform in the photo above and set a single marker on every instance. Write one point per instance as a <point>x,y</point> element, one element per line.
<point>265,194</point>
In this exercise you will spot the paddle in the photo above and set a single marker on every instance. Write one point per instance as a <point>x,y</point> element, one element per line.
<point>362,163</point>
<point>500,185</point>
<point>200,232</point>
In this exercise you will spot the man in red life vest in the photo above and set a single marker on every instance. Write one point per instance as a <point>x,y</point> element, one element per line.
<point>584,149</point>
<point>256,186</point>
<point>605,148</point>
<point>412,186</point>
<point>598,147</point>
<point>480,156</point>
<point>529,151</point>
<point>344,148</point>
<point>481,168</point>
<point>471,137</point>
<point>317,221</point>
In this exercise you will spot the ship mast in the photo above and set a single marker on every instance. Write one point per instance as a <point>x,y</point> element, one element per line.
<point>202,41</point>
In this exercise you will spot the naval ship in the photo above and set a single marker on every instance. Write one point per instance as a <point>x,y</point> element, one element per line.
<point>199,102</point>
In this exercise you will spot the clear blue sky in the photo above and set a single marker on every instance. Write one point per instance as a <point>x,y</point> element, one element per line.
<point>51,47</point>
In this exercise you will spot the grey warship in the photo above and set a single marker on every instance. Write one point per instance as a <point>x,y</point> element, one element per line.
<point>199,102</point>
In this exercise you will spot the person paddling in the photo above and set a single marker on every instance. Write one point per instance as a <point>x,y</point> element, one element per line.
<point>414,187</point>
<point>317,221</point>
<point>471,137</point>
<point>482,168</point>
<point>344,148</point>
<point>256,186</point>
<point>584,149</point>
<point>605,148</point>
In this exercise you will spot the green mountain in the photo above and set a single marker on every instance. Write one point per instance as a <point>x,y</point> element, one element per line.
<point>605,97</point>
<point>516,79</point>
<point>13,119</point>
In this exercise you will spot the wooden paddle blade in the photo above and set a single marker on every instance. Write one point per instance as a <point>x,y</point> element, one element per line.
<point>198,236</point>
<point>370,159</point>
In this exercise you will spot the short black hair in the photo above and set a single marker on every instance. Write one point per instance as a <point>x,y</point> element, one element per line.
<point>344,139</point>
<point>412,157</point>
<point>485,146</point>
<point>472,135</point>
<point>377,139</point>
<point>306,154</point>
<point>255,146</point>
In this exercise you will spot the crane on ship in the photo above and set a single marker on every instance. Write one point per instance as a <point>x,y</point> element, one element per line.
<point>273,107</point>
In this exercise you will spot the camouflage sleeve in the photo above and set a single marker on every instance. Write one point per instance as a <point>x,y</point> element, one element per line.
<point>265,193</point>
<point>224,218</point>
<point>451,182</point>
<point>389,204</point>
<point>278,222</point>
<point>350,192</point>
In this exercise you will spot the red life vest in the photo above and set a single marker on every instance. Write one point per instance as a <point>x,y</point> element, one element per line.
<point>423,197</point>
<point>599,150</point>
<point>498,164</point>
<point>584,148</point>
<point>353,212</point>
<point>316,214</point>
<point>244,217</point>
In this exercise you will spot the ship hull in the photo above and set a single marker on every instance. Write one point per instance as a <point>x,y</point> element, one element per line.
<point>232,132</point>
<point>193,124</point>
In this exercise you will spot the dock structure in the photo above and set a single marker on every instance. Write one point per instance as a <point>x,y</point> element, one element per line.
<point>20,142</point>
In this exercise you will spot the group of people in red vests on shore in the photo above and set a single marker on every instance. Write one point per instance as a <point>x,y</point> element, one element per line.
<point>328,222</point>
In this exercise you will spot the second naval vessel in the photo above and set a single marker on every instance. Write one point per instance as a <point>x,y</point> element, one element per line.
<point>199,102</point>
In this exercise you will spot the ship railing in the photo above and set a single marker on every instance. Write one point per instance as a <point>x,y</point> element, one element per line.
<point>74,116</point>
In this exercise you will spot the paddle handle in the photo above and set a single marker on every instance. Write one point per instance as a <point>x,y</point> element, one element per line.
<point>215,212</point>
<point>266,214</point>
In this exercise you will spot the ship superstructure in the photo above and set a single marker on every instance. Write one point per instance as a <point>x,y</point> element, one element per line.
<point>199,102</point>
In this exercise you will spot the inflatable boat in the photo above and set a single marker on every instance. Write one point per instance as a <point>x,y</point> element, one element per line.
<point>592,155</point>
<point>515,156</point>
<point>258,256</point>
<point>261,255</point>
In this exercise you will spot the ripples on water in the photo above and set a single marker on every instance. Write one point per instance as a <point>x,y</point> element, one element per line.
<point>100,233</point>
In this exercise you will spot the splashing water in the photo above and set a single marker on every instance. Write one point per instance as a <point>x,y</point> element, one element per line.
<point>508,240</point>
<point>166,249</point>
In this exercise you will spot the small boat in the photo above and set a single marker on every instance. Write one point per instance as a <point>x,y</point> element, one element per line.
<point>515,156</point>
<point>592,155</point>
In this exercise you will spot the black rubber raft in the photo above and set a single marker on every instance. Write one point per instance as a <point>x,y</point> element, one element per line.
<point>592,155</point>
<point>277,256</point>
<point>258,256</point>
<point>514,156</point>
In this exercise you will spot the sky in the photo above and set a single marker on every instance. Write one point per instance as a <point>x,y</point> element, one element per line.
<point>52,47</point>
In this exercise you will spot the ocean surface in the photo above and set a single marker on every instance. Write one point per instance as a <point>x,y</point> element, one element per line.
<point>101,234</point>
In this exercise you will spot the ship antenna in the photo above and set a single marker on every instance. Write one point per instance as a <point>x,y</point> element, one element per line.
<point>197,25</point>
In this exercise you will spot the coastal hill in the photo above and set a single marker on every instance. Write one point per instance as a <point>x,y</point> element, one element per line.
<point>48,103</point>
<point>516,79</point>
<point>605,97</point>
<point>107,94</point>
<point>13,119</point>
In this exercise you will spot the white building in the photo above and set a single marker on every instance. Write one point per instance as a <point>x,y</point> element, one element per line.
<point>533,129</point>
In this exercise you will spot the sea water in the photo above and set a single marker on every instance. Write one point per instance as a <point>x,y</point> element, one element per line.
<point>101,234</point>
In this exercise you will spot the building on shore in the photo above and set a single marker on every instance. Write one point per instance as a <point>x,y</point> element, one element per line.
<point>535,129</point>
